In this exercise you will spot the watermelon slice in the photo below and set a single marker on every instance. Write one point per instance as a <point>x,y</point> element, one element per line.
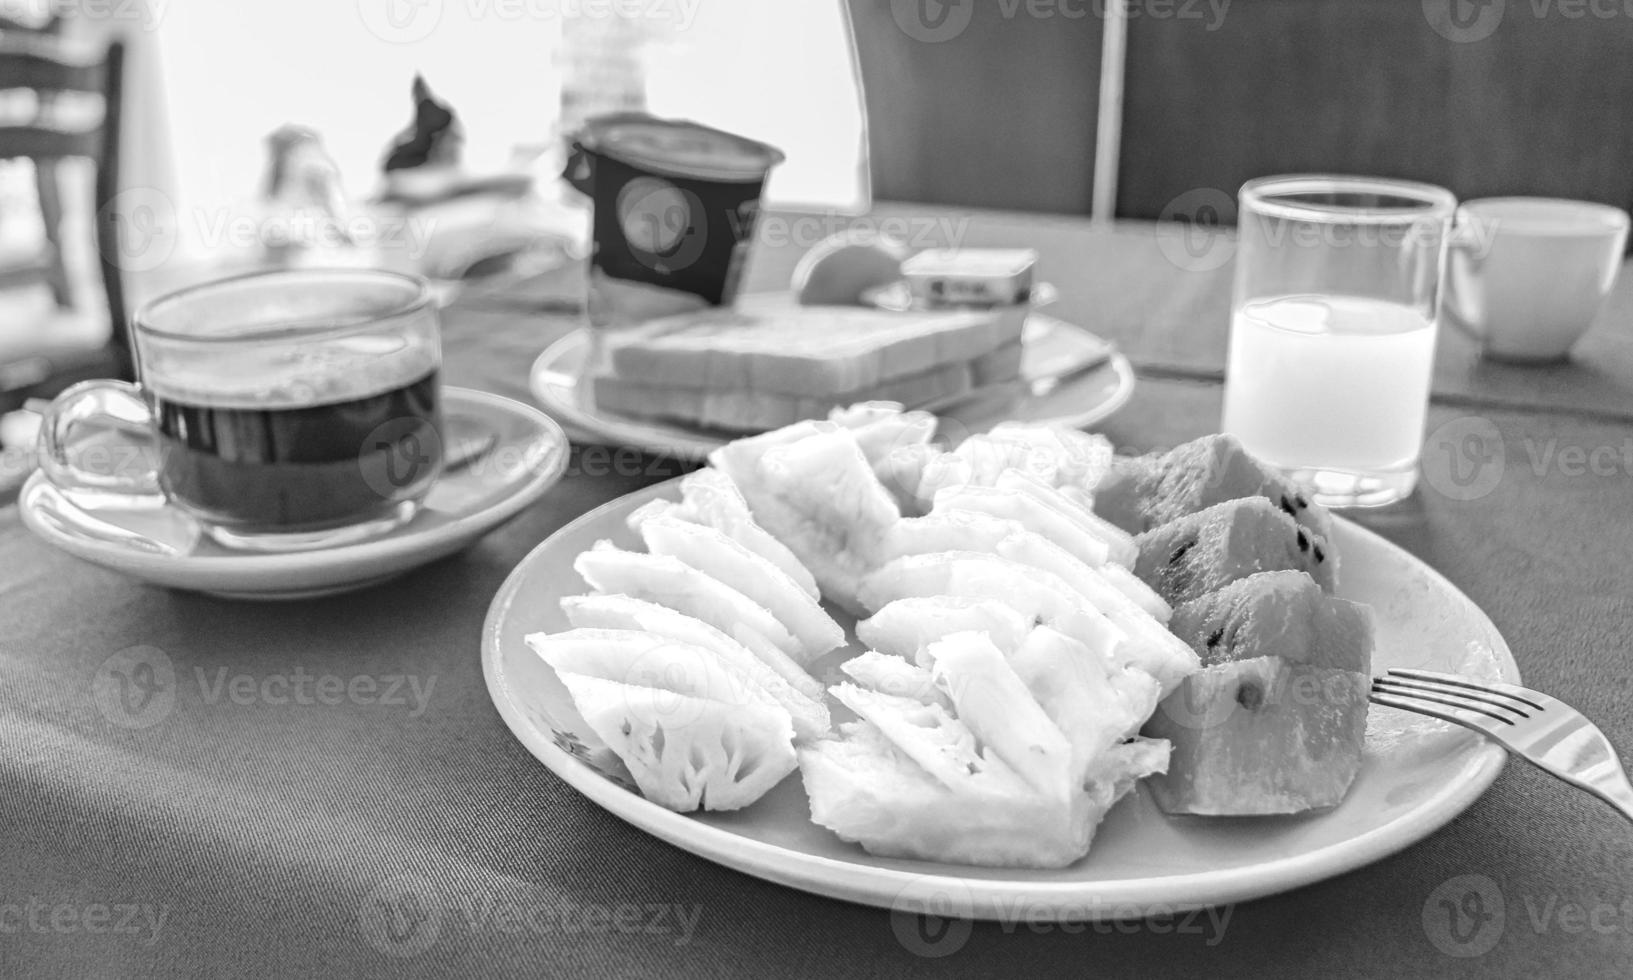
<point>1278,614</point>
<point>1144,492</point>
<point>1276,721</point>
<point>1261,736</point>
<point>1212,548</point>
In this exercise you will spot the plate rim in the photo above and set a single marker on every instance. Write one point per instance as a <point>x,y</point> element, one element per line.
<point>985,898</point>
<point>243,569</point>
<point>688,445</point>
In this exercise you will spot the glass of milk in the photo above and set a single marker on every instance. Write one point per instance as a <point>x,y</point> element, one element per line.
<point>1333,329</point>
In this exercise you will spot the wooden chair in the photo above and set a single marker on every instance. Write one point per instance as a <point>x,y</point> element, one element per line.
<point>49,265</point>
<point>44,66</point>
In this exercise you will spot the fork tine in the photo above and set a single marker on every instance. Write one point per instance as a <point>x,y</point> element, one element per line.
<point>1524,695</point>
<point>1460,694</point>
<point>1467,718</point>
<point>1450,699</point>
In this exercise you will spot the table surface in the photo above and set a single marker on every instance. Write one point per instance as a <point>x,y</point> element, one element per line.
<point>242,834</point>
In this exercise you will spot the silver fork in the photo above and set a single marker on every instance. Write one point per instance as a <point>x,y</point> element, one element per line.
<point>1544,731</point>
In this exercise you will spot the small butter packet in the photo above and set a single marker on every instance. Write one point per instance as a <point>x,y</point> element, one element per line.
<point>970,276</point>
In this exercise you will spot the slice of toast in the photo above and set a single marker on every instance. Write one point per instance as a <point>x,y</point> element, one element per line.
<point>812,351</point>
<point>743,410</point>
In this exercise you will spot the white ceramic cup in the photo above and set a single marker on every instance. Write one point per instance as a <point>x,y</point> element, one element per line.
<point>1528,275</point>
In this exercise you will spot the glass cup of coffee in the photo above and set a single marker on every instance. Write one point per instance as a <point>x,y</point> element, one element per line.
<point>284,410</point>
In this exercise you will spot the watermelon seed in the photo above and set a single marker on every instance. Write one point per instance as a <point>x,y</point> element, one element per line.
<point>1287,505</point>
<point>1318,555</point>
<point>1180,551</point>
<point>1303,542</point>
<point>1215,637</point>
<point>1302,503</point>
<point>1249,696</point>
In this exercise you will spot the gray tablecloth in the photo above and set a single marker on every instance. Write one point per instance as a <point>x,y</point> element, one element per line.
<point>392,827</point>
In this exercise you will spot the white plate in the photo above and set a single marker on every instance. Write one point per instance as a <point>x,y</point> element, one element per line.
<point>165,546</point>
<point>1416,777</point>
<point>1076,400</point>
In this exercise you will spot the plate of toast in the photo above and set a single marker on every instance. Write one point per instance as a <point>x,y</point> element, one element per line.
<point>685,385</point>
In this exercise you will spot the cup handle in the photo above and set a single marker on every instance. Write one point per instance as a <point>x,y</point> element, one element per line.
<point>579,172</point>
<point>79,465</point>
<point>1465,240</point>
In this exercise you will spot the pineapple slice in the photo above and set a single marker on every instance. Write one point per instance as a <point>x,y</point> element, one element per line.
<point>928,734</point>
<point>641,659</point>
<point>724,757</point>
<point>881,428</point>
<point>792,687</point>
<point>1035,594</point>
<point>1119,542</point>
<point>895,676</point>
<point>1149,644</point>
<point>671,582</point>
<point>866,790</point>
<point>946,530</point>
<point>995,703</point>
<point>811,486</point>
<point>1081,460</point>
<point>904,627</point>
<point>1096,702</point>
<point>1032,514</point>
<point>989,456</point>
<point>709,497</point>
<point>1144,596</point>
<point>717,555</point>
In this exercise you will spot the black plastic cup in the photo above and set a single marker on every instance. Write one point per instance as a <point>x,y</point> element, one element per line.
<point>675,202</point>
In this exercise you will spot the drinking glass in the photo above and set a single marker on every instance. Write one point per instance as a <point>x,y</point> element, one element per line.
<point>1333,327</point>
<point>284,410</point>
